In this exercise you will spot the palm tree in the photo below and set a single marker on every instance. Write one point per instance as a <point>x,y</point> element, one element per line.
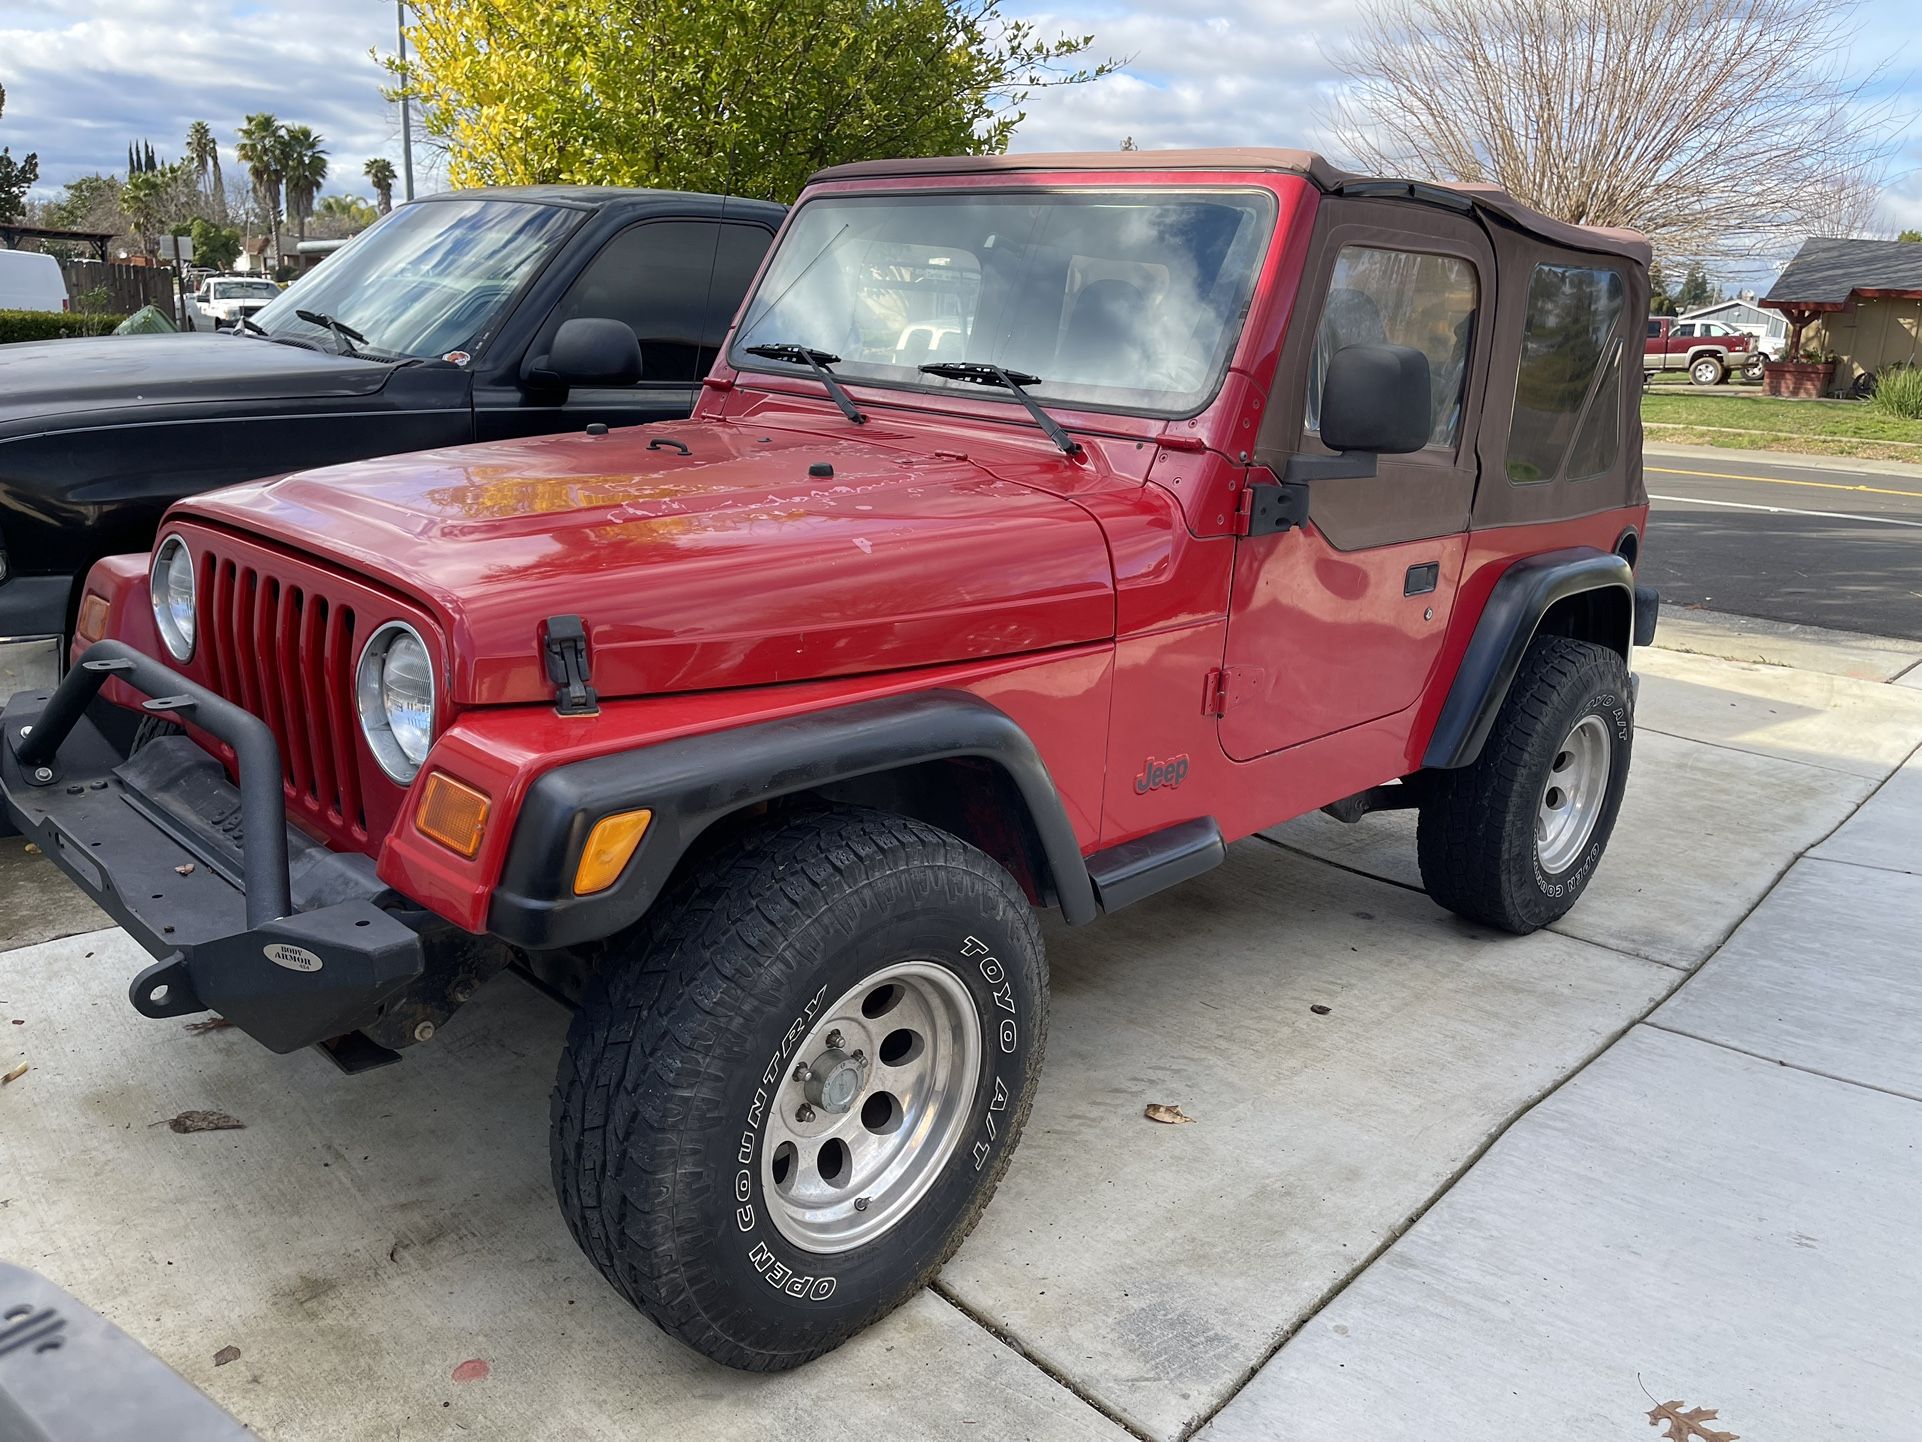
<point>346,214</point>
<point>380,171</point>
<point>303,166</point>
<point>204,152</point>
<point>260,148</point>
<point>142,198</point>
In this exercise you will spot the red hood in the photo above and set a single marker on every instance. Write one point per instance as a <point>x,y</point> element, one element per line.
<point>731,567</point>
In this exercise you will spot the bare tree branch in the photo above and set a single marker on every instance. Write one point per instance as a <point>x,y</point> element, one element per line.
<point>1719,128</point>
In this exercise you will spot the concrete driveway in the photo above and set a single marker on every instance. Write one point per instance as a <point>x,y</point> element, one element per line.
<point>365,1242</point>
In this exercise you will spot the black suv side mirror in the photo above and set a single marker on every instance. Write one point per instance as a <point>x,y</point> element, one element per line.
<point>1377,399</point>
<point>588,351</point>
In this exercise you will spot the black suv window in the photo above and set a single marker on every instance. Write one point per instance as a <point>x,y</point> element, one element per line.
<point>735,262</point>
<point>1400,297</point>
<point>1569,335</point>
<point>654,276</point>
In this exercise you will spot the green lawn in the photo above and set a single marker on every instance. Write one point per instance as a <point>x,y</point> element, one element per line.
<point>1759,423</point>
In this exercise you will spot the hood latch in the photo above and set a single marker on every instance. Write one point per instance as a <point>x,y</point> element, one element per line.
<point>569,667</point>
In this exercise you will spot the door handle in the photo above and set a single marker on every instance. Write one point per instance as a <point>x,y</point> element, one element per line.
<point>1421,579</point>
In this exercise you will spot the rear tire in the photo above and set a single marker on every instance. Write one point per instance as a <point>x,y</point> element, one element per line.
<point>1513,839</point>
<point>1707,371</point>
<point>761,1222</point>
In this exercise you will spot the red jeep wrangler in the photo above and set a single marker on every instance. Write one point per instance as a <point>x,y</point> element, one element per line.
<point>1047,523</point>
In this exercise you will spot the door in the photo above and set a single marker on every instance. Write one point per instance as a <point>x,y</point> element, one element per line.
<point>1340,622</point>
<point>676,283</point>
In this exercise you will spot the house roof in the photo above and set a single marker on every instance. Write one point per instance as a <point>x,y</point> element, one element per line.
<point>1828,274</point>
<point>1326,176</point>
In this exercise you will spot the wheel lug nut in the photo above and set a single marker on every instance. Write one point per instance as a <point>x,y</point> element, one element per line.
<point>805,1113</point>
<point>804,1073</point>
<point>834,1041</point>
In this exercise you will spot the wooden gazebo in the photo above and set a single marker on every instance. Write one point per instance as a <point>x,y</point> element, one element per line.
<point>12,234</point>
<point>1875,282</point>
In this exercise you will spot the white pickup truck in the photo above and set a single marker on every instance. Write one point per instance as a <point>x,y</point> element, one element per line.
<point>222,299</point>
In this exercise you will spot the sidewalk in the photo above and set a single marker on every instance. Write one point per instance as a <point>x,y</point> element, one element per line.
<point>1491,1183</point>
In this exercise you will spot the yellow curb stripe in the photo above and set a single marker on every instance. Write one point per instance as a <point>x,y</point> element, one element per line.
<point>1785,481</point>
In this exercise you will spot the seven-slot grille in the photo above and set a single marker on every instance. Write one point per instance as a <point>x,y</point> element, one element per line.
<point>286,654</point>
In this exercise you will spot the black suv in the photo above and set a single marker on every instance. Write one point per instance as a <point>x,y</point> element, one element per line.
<point>469,316</point>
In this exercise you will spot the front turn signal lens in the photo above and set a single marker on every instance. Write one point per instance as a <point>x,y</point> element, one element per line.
<point>451,813</point>
<point>610,846</point>
<point>92,622</point>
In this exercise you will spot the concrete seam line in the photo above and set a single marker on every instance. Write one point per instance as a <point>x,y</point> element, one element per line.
<point>1342,1284</point>
<point>1903,672</point>
<point>1777,1061</point>
<point>1777,756</point>
<point>1339,866</point>
<point>1046,1368</point>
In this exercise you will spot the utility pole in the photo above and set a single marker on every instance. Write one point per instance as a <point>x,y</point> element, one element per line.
<point>406,121</point>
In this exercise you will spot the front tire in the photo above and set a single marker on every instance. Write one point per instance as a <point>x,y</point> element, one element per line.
<point>1707,371</point>
<point>789,1097</point>
<point>1513,839</point>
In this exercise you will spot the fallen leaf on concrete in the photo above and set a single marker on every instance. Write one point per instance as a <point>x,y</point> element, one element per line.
<point>203,1122</point>
<point>472,1370</point>
<point>1173,1116</point>
<point>226,1355</point>
<point>186,868</point>
<point>1319,1010</point>
<point>212,1023</point>
<point>1687,1426</point>
<point>32,850</point>
<point>15,1074</point>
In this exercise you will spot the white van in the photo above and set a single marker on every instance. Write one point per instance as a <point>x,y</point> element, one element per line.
<point>31,281</point>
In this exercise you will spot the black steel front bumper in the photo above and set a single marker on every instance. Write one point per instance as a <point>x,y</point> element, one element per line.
<point>246,916</point>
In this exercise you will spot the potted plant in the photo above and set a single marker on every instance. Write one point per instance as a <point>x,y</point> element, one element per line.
<point>1806,376</point>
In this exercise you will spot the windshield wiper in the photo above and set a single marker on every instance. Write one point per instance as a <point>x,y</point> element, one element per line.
<point>243,324</point>
<point>347,334</point>
<point>993,375</point>
<point>817,361</point>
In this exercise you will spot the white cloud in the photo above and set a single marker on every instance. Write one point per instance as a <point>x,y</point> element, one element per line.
<point>83,80</point>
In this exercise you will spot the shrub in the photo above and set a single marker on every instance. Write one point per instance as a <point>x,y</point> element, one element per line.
<point>18,325</point>
<point>1899,392</point>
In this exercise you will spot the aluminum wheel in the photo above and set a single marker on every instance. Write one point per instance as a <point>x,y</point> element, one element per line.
<point>1571,801</point>
<point>872,1108</point>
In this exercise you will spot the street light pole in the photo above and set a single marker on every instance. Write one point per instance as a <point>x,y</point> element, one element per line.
<point>406,122</point>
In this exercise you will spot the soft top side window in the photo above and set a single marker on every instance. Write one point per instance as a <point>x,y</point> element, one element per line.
<point>1569,335</point>
<point>1400,297</point>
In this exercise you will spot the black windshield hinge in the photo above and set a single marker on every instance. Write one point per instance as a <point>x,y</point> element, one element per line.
<point>1269,508</point>
<point>569,668</point>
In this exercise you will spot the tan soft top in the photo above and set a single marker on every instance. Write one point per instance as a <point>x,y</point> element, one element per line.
<point>1317,168</point>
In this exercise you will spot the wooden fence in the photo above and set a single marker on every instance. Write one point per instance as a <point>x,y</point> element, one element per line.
<point>128,287</point>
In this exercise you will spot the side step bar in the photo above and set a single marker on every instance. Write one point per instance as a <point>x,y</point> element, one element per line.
<point>1124,874</point>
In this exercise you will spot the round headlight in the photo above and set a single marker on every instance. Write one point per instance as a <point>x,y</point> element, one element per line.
<point>394,693</point>
<point>172,586</point>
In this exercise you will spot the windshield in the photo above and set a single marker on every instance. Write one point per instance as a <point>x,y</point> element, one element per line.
<point>1117,300</point>
<point>429,279</point>
<point>246,290</point>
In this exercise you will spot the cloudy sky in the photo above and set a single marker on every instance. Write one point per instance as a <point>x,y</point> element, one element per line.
<point>84,77</point>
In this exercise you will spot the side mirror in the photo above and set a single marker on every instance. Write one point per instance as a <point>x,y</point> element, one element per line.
<point>1377,399</point>
<point>588,351</point>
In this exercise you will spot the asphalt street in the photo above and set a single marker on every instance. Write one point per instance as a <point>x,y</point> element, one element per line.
<point>1785,541</point>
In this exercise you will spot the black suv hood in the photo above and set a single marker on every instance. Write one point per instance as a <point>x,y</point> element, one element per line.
<point>44,382</point>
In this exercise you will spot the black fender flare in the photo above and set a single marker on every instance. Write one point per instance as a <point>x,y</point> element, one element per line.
<point>693,781</point>
<point>1521,597</point>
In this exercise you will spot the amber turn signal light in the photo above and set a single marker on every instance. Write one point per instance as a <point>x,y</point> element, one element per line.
<point>609,847</point>
<point>92,622</point>
<point>451,813</point>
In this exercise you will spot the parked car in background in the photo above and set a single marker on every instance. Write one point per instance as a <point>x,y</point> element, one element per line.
<point>31,281</point>
<point>223,299</point>
<point>467,316</point>
<point>1046,524</point>
<point>1706,349</point>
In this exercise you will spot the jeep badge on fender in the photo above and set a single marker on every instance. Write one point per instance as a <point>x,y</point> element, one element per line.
<point>764,735</point>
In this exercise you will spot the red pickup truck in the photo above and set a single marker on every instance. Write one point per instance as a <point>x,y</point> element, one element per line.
<point>1706,349</point>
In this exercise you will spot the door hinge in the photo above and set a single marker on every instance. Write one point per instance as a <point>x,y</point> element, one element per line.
<point>1267,508</point>
<point>569,667</point>
<point>1226,686</point>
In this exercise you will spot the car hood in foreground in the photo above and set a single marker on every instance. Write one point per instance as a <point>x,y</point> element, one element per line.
<point>50,384</point>
<point>738,564</point>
